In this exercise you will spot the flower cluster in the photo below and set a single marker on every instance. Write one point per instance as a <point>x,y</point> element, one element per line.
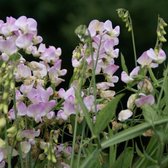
<point>144,95</point>
<point>36,70</point>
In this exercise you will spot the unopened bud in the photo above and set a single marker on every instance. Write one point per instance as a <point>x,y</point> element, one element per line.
<point>5,108</point>
<point>5,96</point>
<point>12,130</point>
<point>2,143</point>
<point>131,101</point>
<point>145,86</point>
<point>2,122</point>
<point>42,156</point>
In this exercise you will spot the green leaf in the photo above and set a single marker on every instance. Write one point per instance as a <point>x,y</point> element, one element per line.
<point>106,114</point>
<point>131,132</point>
<point>138,151</point>
<point>151,150</point>
<point>149,113</point>
<point>123,64</point>
<point>91,160</point>
<point>15,57</point>
<point>125,158</point>
<point>85,111</point>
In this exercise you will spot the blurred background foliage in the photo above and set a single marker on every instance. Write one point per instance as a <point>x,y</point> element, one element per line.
<point>57,20</point>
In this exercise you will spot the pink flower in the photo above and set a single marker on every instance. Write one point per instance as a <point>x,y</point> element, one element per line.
<point>27,25</point>
<point>109,28</point>
<point>109,48</point>
<point>39,94</point>
<point>68,109</point>
<point>145,99</point>
<point>95,27</point>
<point>157,57</point>
<point>39,69</point>
<point>110,69</point>
<point>68,95</point>
<point>145,60</point>
<point>9,27</point>
<point>104,85</point>
<point>24,40</point>
<point>129,78</point>
<point>30,134</point>
<point>22,72</point>
<point>39,110</point>
<point>50,54</point>
<point>89,102</point>
<point>55,72</point>
<point>8,46</point>
<point>21,109</point>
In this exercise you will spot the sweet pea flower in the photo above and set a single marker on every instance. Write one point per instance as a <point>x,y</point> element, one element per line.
<point>67,110</point>
<point>109,48</point>
<point>104,85</point>
<point>50,54</point>
<point>109,28</point>
<point>131,101</point>
<point>95,27</point>
<point>55,72</point>
<point>27,25</point>
<point>144,99</point>
<point>39,94</point>
<point>30,134</point>
<point>110,69</point>
<point>24,41</point>
<point>39,110</point>
<point>129,78</point>
<point>124,115</point>
<point>68,95</point>
<point>145,60</point>
<point>145,86</point>
<point>22,72</point>
<point>39,69</point>
<point>157,57</point>
<point>89,102</point>
<point>107,94</point>
<point>8,46</point>
<point>9,27</point>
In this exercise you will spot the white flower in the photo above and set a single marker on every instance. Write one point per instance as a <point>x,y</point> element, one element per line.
<point>124,115</point>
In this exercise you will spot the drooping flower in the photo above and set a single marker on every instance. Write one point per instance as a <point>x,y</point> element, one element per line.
<point>39,110</point>
<point>157,56</point>
<point>39,94</point>
<point>129,78</point>
<point>124,115</point>
<point>22,72</point>
<point>144,99</point>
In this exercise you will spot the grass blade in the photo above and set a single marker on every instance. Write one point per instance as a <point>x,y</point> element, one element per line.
<point>131,132</point>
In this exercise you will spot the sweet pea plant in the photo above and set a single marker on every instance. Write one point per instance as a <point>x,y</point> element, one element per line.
<point>91,123</point>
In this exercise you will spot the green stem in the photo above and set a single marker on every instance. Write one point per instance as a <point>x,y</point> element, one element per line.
<point>93,74</point>
<point>80,148</point>
<point>133,42</point>
<point>153,77</point>
<point>74,141</point>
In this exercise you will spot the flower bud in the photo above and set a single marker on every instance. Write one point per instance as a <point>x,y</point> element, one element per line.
<point>145,86</point>
<point>2,143</point>
<point>131,101</point>
<point>2,122</point>
<point>11,132</point>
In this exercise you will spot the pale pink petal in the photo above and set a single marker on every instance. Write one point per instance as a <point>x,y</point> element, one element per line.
<point>125,78</point>
<point>25,146</point>
<point>124,115</point>
<point>149,99</point>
